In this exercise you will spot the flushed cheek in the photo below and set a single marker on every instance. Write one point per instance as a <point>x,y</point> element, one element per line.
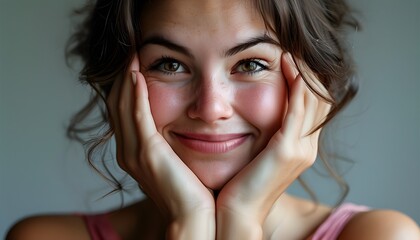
<point>166,102</point>
<point>263,106</point>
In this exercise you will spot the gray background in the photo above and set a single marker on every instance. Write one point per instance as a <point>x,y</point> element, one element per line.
<point>42,172</point>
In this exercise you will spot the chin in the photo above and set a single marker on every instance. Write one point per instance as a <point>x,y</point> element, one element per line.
<point>214,184</point>
<point>215,177</point>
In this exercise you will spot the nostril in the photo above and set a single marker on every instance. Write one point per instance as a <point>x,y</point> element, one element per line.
<point>211,98</point>
<point>210,108</point>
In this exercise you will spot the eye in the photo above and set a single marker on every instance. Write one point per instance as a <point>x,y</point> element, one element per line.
<point>171,66</point>
<point>250,66</point>
<point>168,65</point>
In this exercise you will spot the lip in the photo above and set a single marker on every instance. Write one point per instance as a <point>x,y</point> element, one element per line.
<point>212,143</point>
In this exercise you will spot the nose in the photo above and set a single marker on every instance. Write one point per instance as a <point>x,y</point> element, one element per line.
<point>212,101</point>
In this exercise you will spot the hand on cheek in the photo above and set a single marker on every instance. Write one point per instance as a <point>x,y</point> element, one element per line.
<point>144,154</point>
<point>253,191</point>
<point>245,201</point>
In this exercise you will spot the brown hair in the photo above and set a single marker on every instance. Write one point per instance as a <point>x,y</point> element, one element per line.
<point>312,31</point>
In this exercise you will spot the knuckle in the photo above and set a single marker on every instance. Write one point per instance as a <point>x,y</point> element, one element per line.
<point>138,115</point>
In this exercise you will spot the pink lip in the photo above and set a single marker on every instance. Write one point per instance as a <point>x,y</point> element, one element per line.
<point>207,143</point>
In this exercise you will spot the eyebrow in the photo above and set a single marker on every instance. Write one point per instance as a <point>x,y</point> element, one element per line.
<point>160,40</point>
<point>250,43</point>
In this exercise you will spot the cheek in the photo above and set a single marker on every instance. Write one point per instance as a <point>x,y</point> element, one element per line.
<point>264,106</point>
<point>167,103</point>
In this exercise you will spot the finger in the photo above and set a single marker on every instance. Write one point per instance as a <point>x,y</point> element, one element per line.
<point>295,114</point>
<point>289,69</point>
<point>317,104</point>
<point>311,102</point>
<point>315,96</point>
<point>146,127</point>
<point>129,140</point>
<point>112,106</point>
<point>135,64</point>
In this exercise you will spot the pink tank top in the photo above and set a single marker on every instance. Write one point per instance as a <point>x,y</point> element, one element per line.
<point>334,224</point>
<point>100,228</point>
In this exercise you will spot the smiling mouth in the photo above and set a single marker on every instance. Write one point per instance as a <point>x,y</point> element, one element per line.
<point>205,143</point>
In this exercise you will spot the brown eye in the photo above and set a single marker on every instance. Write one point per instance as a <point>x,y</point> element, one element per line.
<point>168,65</point>
<point>250,66</point>
<point>171,66</point>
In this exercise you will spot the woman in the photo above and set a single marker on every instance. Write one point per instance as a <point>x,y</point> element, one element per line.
<point>217,107</point>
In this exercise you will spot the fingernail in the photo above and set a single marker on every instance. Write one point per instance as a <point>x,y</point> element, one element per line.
<point>134,78</point>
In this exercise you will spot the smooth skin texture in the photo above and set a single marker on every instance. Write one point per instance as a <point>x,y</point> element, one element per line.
<point>212,93</point>
<point>289,218</point>
<point>210,96</point>
<point>207,69</point>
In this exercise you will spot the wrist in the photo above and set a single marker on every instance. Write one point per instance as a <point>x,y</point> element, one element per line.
<point>237,226</point>
<point>197,225</point>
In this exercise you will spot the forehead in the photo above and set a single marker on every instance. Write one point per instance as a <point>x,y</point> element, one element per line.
<point>205,17</point>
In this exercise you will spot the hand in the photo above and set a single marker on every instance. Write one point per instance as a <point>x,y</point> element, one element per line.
<point>245,201</point>
<point>144,154</point>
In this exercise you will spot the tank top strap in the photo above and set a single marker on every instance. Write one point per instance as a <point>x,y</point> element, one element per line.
<point>335,223</point>
<point>99,227</point>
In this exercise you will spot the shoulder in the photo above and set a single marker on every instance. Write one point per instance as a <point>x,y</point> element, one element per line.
<point>125,222</point>
<point>381,224</point>
<point>49,227</point>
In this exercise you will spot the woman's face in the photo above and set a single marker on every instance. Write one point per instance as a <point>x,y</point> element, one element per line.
<point>215,85</point>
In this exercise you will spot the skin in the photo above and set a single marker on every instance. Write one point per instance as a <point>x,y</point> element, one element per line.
<point>199,93</point>
<point>210,93</point>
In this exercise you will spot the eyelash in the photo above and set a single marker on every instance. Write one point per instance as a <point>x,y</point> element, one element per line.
<point>157,65</point>
<point>257,61</point>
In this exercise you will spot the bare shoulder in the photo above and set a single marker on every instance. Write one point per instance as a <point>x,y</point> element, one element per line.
<point>381,224</point>
<point>49,227</point>
<point>128,222</point>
